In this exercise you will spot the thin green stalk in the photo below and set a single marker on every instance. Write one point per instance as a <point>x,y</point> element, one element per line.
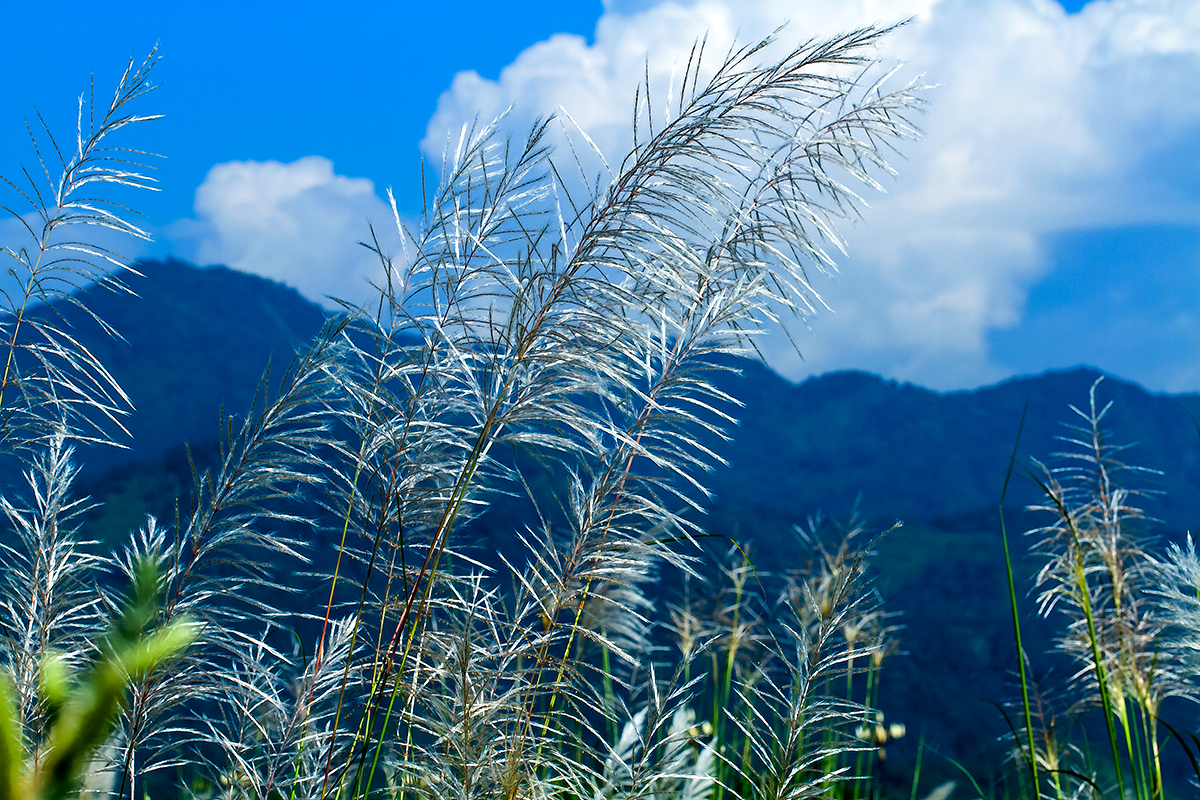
<point>724,695</point>
<point>718,704</point>
<point>861,756</point>
<point>912,795</point>
<point>1142,736</point>
<point>610,702</point>
<point>1101,673</point>
<point>1056,779</point>
<point>1147,733</point>
<point>1133,746</point>
<point>1155,756</point>
<point>1031,753</point>
<point>872,699</point>
<point>428,571</point>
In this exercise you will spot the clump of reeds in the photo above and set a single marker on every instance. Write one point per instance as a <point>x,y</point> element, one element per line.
<point>579,327</point>
<point>864,635</point>
<point>1100,575</point>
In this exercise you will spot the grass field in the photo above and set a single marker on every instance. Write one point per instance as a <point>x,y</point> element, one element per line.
<point>576,331</point>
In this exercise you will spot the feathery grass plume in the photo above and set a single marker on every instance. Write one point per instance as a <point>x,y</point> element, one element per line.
<point>275,726</point>
<point>216,564</point>
<point>48,599</point>
<point>865,635</point>
<point>584,331</point>
<point>1177,576</point>
<point>501,690</point>
<point>48,375</point>
<point>1098,573</point>
<point>736,628</point>
<point>799,735</point>
<point>868,636</point>
<point>661,752</point>
<point>604,606</point>
<point>1068,771</point>
<point>53,391</point>
<point>814,587</point>
<point>471,694</point>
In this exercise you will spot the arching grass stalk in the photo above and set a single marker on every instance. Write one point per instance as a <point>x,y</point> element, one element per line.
<point>49,377</point>
<point>584,334</point>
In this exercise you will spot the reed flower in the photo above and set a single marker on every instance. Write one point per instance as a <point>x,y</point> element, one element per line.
<point>1098,572</point>
<point>580,329</point>
<point>1177,576</point>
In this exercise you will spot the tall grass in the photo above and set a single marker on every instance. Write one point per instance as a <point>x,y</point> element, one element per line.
<point>1128,617</point>
<point>559,344</point>
<point>50,382</point>
<point>579,329</point>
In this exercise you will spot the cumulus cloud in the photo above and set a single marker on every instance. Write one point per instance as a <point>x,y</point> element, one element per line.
<point>296,223</point>
<point>1042,122</point>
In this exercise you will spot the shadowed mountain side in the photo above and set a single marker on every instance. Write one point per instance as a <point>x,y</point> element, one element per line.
<point>937,462</point>
<point>196,341</point>
<point>199,340</point>
<point>914,454</point>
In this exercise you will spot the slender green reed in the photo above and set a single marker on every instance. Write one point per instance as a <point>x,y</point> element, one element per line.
<point>1029,755</point>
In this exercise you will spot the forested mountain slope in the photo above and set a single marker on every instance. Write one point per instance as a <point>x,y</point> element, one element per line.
<point>198,341</point>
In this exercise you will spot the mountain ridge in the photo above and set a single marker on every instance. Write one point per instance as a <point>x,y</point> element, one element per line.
<point>196,342</point>
<point>840,443</point>
<point>199,340</point>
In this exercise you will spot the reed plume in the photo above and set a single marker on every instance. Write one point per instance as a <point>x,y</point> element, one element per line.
<point>536,334</point>
<point>1099,573</point>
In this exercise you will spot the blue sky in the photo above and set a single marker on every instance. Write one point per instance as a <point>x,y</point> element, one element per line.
<point>266,81</point>
<point>1050,215</point>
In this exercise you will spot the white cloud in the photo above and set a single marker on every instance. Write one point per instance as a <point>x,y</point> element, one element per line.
<point>1042,122</point>
<point>295,223</point>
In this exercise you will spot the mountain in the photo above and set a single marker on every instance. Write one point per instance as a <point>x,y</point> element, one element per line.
<point>198,340</point>
<point>936,457</point>
<point>937,462</point>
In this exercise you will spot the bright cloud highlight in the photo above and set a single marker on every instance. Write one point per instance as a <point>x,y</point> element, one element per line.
<point>1042,122</point>
<point>295,223</point>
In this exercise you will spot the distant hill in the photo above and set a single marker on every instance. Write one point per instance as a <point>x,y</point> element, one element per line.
<point>937,462</point>
<point>199,339</point>
<point>937,457</point>
<point>196,341</point>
